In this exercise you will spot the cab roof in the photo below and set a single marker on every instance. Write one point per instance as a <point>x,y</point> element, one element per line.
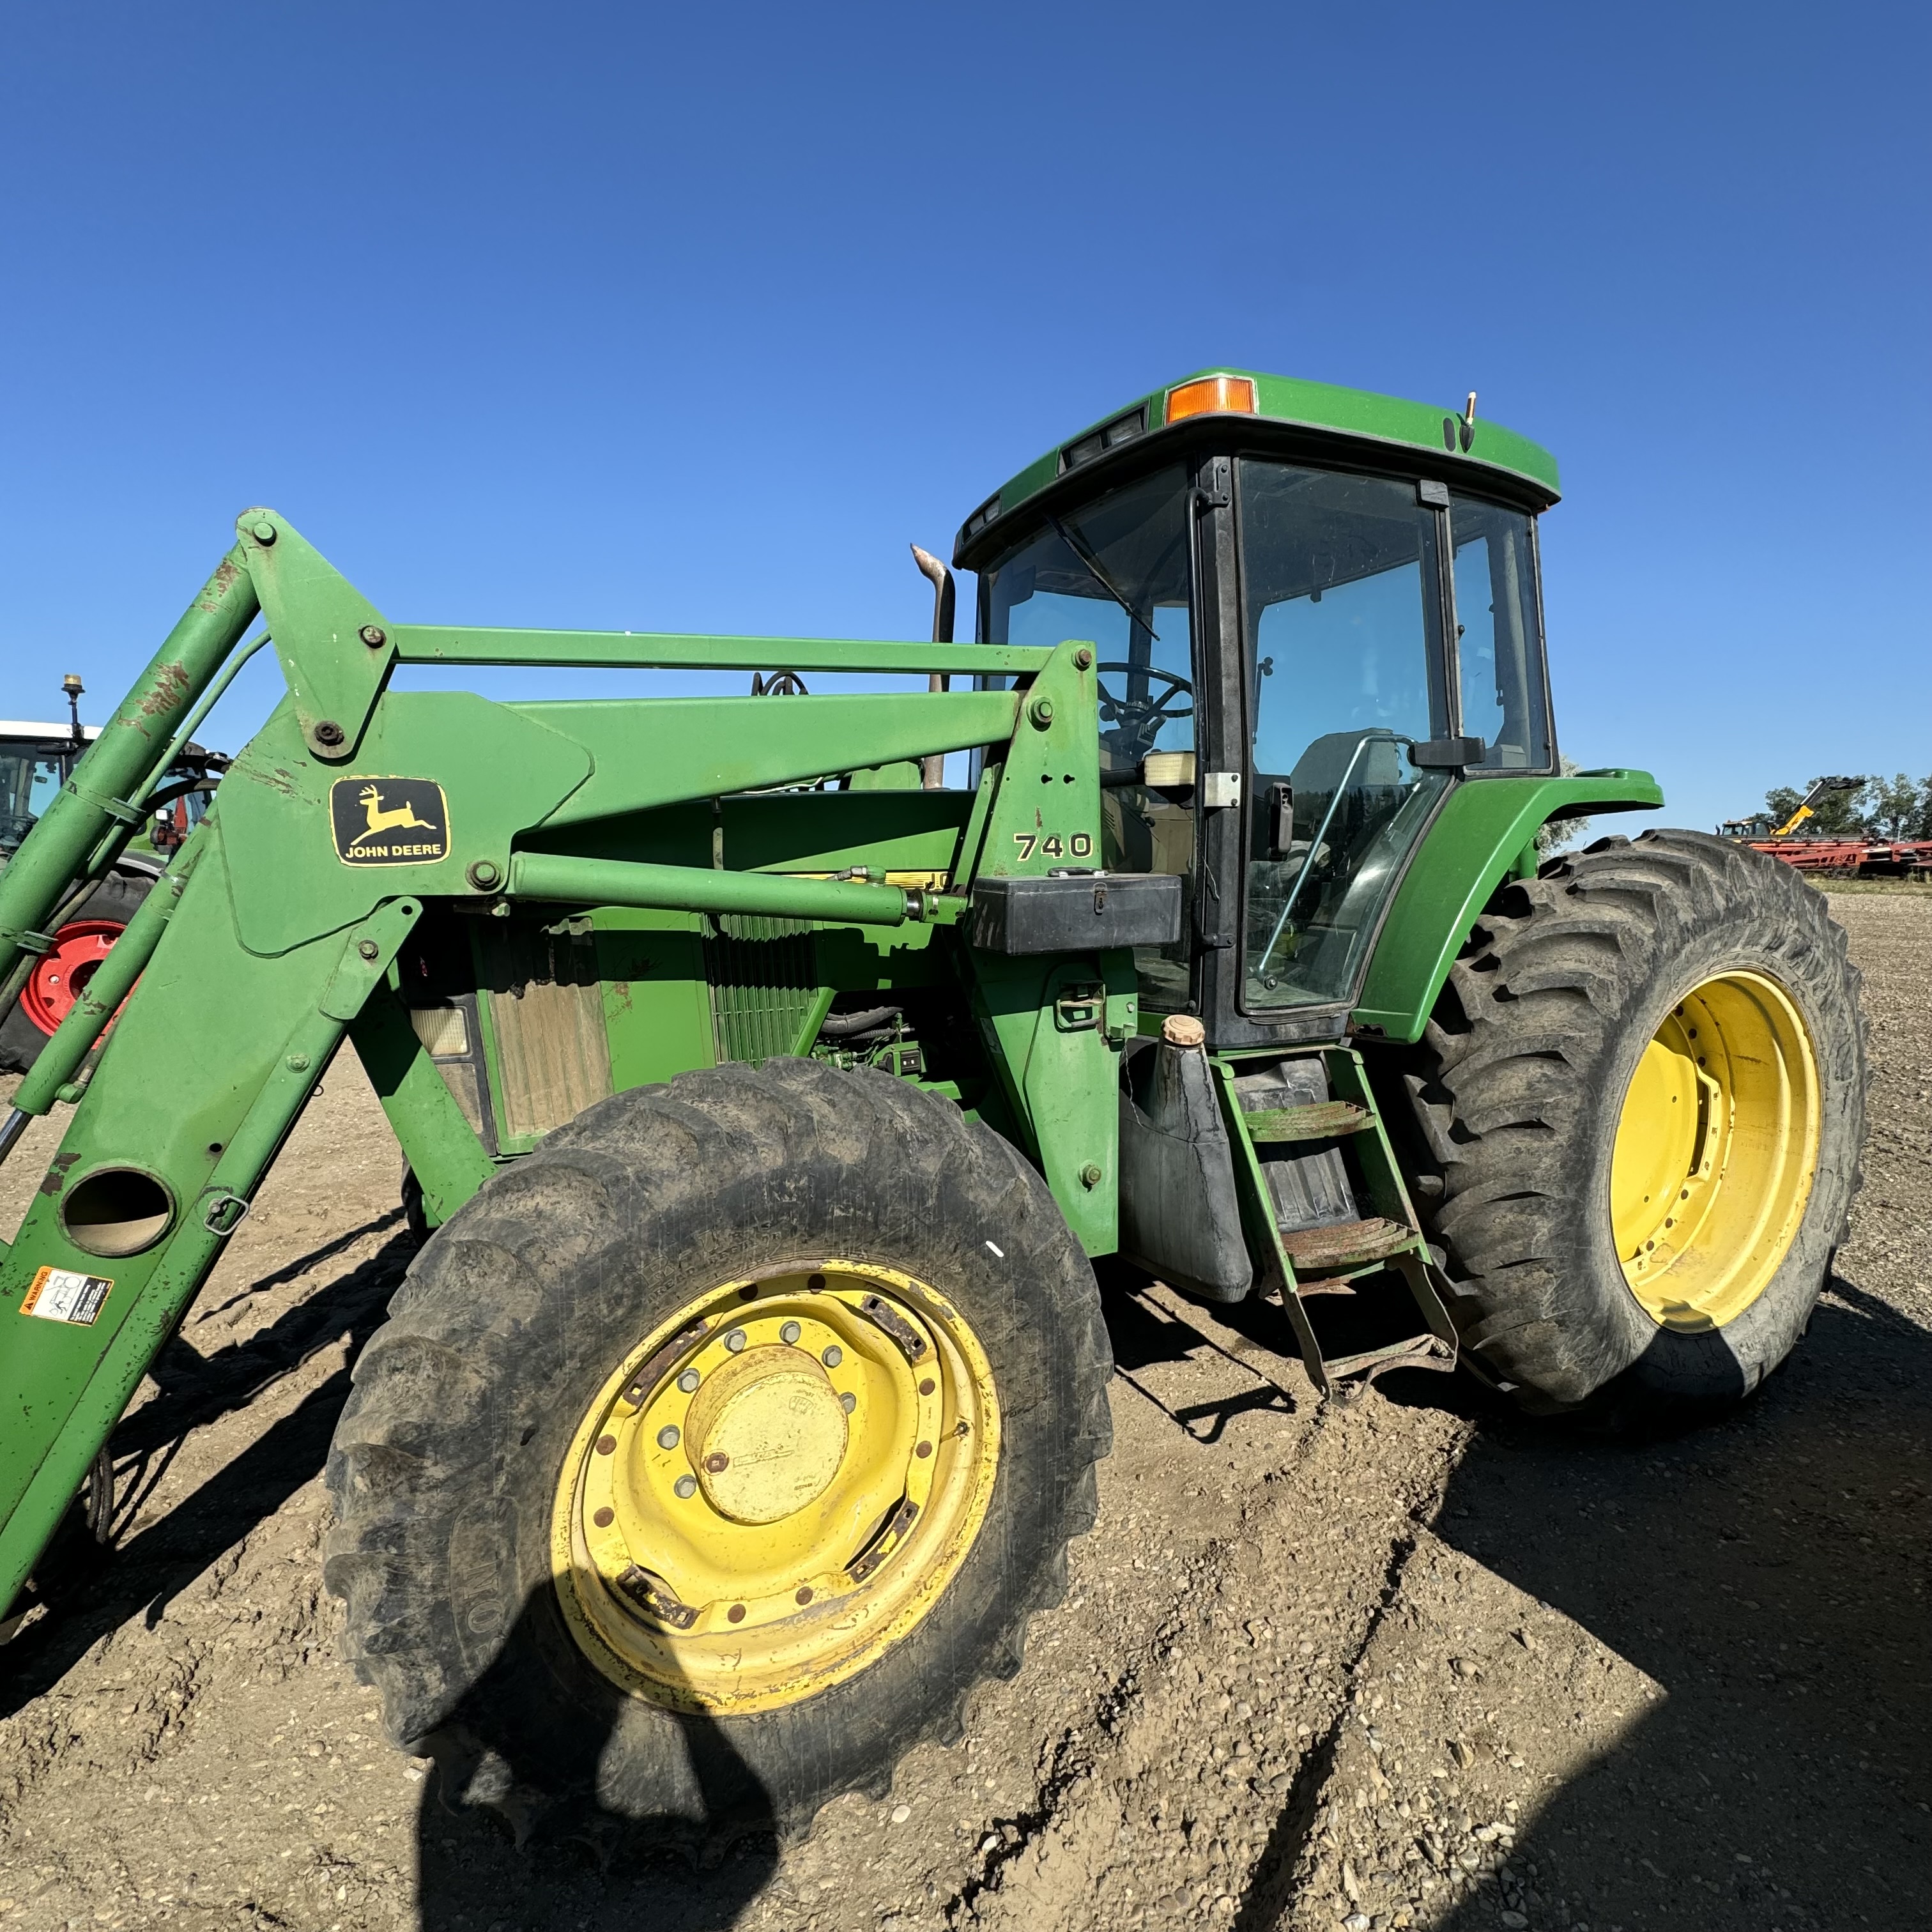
<point>1459,450</point>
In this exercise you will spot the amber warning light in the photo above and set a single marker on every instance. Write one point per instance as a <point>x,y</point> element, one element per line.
<point>1212,396</point>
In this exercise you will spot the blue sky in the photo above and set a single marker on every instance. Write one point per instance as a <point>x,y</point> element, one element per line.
<point>673,318</point>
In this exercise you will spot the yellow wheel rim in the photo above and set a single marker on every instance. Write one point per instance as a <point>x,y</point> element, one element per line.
<point>1717,1147</point>
<point>775,1487</point>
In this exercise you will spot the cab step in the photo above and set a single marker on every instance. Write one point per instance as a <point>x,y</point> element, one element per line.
<point>1322,1120</point>
<point>1346,1244</point>
<point>1321,1192</point>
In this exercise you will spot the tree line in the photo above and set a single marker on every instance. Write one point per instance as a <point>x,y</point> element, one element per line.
<point>1894,808</point>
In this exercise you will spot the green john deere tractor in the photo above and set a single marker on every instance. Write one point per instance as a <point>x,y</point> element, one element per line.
<point>766,1100</point>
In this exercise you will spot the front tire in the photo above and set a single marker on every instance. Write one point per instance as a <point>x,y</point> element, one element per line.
<point>622,1486</point>
<point>1643,1091</point>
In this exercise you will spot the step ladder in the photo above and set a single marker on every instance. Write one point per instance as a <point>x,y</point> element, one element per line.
<point>1328,1222</point>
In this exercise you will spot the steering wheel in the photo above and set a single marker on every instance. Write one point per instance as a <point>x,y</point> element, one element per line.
<point>1135,714</point>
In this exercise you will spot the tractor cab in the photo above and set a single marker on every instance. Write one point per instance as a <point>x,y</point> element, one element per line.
<point>1316,611</point>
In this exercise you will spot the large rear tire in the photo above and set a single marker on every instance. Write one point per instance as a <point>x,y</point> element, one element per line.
<point>714,1450</point>
<point>1641,1093</point>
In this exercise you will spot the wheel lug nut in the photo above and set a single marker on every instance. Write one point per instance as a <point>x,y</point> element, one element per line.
<point>791,1332</point>
<point>833,1356</point>
<point>735,1341</point>
<point>667,1436</point>
<point>689,1381</point>
<point>686,1486</point>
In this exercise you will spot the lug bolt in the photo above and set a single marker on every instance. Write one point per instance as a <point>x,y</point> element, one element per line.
<point>604,1518</point>
<point>484,875</point>
<point>848,1402</point>
<point>718,1461</point>
<point>668,1437</point>
<point>686,1486</point>
<point>833,1356</point>
<point>735,1341</point>
<point>374,636</point>
<point>791,1332</point>
<point>328,732</point>
<point>368,949</point>
<point>689,1381</point>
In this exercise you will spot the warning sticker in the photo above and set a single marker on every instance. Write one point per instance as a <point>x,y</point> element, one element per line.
<point>60,1294</point>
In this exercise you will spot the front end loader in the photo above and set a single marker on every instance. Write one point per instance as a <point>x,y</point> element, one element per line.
<point>765,1101</point>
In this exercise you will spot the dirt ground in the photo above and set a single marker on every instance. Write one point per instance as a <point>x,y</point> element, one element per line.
<point>1415,1662</point>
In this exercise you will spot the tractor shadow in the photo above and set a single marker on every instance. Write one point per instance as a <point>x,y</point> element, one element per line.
<point>1147,1334</point>
<point>1767,1571</point>
<point>88,1594</point>
<point>504,1842</point>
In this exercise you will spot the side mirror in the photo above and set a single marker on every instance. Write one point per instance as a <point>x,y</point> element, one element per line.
<point>1280,820</point>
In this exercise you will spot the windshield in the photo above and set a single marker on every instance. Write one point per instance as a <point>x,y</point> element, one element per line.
<point>30,777</point>
<point>1115,573</point>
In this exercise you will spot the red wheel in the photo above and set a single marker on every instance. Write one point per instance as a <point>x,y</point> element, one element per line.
<point>61,975</point>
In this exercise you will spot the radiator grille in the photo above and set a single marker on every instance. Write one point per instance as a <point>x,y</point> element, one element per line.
<point>764,981</point>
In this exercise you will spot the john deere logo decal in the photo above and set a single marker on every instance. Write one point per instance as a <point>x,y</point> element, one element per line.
<point>389,821</point>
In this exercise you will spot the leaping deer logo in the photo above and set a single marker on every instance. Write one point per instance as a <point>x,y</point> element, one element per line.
<point>382,818</point>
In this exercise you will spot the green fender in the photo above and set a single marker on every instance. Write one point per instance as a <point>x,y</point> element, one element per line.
<point>1484,831</point>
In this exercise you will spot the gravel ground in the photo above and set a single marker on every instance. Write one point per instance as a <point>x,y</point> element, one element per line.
<point>1413,1662</point>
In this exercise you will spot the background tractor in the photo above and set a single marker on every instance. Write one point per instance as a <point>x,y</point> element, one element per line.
<point>36,761</point>
<point>766,1103</point>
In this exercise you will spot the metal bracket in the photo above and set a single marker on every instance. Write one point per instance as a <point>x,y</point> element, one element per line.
<point>335,646</point>
<point>122,809</point>
<point>882,1315</point>
<point>224,1211</point>
<point>1080,1008</point>
<point>366,955</point>
<point>653,1595</point>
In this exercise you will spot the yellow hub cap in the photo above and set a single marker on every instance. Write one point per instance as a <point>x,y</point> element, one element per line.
<point>775,1487</point>
<point>1716,1150</point>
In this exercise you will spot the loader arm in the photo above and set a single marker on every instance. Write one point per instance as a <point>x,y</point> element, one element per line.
<point>356,807</point>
